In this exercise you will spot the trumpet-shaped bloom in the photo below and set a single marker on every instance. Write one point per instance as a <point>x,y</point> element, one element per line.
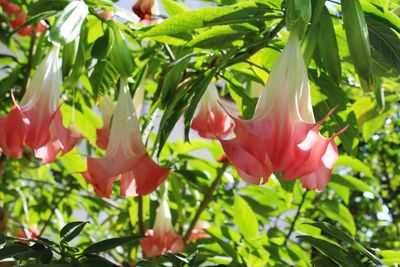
<point>198,231</point>
<point>126,158</point>
<point>107,108</point>
<point>210,120</point>
<point>146,9</point>
<point>283,135</point>
<point>20,18</point>
<point>162,238</point>
<point>37,121</point>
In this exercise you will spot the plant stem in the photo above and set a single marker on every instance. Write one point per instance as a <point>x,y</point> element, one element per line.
<point>30,56</point>
<point>53,209</point>
<point>207,198</point>
<point>140,215</point>
<point>295,217</point>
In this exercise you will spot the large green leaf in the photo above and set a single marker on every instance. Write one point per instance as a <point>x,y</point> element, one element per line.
<point>339,213</point>
<point>71,230</point>
<point>385,41</point>
<point>111,243</point>
<point>343,236</point>
<point>209,16</point>
<point>244,217</point>
<point>334,252</point>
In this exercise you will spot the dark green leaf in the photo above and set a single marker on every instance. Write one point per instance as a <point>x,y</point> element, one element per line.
<point>14,250</point>
<point>103,78</point>
<point>343,236</point>
<point>46,5</point>
<point>102,46</point>
<point>110,244</point>
<point>334,252</point>
<point>71,230</point>
<point>328,47</point>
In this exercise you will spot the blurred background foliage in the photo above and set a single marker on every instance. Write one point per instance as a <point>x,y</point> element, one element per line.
<point>354,222</point>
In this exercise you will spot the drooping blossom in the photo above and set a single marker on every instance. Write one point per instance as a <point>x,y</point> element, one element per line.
<point>146,10</point>
<point>37,120</point>
<point>283,135</point>
<point>19,18</point>
<point>31,233</point>
<point>107,108</point>
<point>162,238</point>
<point>126,157</point>
<point>210,120</point>
<point>198,231</point>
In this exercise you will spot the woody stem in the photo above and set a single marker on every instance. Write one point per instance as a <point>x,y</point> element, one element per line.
<point>140,215</point>
<point>295,217</point>
<point>207,198</point>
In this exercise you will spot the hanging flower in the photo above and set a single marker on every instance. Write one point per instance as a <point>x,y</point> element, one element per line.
<point>283,135</point>
<point>31,233</point>
<point>210,120</point>
<point>107,108</point>
<point>126,158</point>
<point>162,238</point>
<point>37,120</point>
<point>146,10</point>
<point>198,231</point>
<point>20,18</point>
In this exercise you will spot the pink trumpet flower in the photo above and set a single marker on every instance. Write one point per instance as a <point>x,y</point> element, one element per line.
<point>37,120</point>
<point>126,157</point>
<point>162,238</point>
<point>283,135</point>
<point>146,10</point>
<point>210,120</point>
<point>107,108</point>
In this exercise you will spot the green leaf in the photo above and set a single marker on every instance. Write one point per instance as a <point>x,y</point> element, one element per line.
<point>35,19</point>
<point>173,8</point>
<point>102,46</point>
<point>71,230</point>
<point>69,23</point>
<point>3,240</point>
<point>343,236</point>
<point>358,42</point>
<point>340,213</point>
<point>209,16</point>
<point>298,15</point>
<point>120,56</point>
<point>355,164</point>
<point>370,118</point>
<point>14,250</point>
<point>385,41</point>
<point>103,78</point>
<point>229,250</point>
<point>351,182</point>
<point>328,47</point>
<point>390,257</point>
<point>110,244</point>
<point>46,5</point>
<point>245,218</point>
<point>221,36</point>
<point>334,252</point>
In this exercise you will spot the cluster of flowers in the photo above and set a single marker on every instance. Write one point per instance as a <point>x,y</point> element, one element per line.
<point>282,137</point>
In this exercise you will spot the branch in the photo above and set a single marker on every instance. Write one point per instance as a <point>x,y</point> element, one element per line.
<point>295,217</point>
<point>207,198</point>
<point>140,215</point>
